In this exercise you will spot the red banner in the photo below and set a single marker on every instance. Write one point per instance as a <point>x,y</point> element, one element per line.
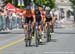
<point>12,8</point>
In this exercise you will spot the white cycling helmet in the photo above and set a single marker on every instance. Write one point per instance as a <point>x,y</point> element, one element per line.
<point>47,8</point>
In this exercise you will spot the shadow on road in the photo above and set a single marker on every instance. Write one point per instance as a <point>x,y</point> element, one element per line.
<point>24,33</point>
<point>10,33</point>
<point>64,32</point>
<point>58,27</point>
<point>4,32</point>
<point>53,40</point>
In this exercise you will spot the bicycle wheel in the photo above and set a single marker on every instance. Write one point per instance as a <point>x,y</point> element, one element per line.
<point>36,39</point>
<point>48,33</point>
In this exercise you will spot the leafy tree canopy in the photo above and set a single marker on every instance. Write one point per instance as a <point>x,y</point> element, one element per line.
<point>50,3</point>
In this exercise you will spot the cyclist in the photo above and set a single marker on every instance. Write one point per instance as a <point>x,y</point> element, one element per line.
<point>48,22</point>
<point>29,19</point>
<point>38,19</point>
<point>54,20</point>
<point>48,15</point>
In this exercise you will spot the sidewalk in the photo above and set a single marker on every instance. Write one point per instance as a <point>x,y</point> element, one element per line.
<point>65,23</point>
<point>69,24</point>
<point>13,31</point>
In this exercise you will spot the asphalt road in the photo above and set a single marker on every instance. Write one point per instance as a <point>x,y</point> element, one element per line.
<point>63,42</point>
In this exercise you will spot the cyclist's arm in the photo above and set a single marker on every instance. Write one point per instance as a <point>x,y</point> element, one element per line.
<point>53,20</point>
<point>43,17</point>
<point>33,14</point>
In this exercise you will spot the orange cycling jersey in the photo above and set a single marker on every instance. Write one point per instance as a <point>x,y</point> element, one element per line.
<point>28,13</point>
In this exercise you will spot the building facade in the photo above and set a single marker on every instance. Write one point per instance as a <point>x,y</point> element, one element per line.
<point>63,6</point>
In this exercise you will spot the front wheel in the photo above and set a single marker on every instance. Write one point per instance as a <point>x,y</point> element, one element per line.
<point>48,37</point>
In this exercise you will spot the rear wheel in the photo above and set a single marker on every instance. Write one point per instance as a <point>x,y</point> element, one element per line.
<point>36,39</point>
<point>48,33</point>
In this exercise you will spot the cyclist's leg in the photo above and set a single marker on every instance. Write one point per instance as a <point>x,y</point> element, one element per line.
<point>40,31</point>
<point>46,25</point>
<point>30,32</point>
<point>53,22</point>
<point>25,31</point>
<point>29,39</point>
<point>36,37</point>
<point>47,28</point>
<point>32,27</point>
<point>36,34</point>
<point>26,35</point>
<point>26,40</point>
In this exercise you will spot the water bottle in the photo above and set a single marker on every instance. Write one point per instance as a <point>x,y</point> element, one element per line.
<point>36,25</point>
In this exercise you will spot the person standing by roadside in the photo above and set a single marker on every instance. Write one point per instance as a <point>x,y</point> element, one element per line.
<point>1,20</point>
<point>18,21</point>
<point>7,21</point>
<point>10,18</point>
<point>14,20</point>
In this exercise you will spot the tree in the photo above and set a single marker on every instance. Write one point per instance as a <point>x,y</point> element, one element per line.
<point>73,3</point>
<point>50,3</point>
<point>11,1</point>
<point>73,6</point>
<point>6,1</point>
<point>15,3</point>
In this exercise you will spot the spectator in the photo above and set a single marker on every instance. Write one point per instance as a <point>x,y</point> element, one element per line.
<point>10,18</point>
<point>1,20</point>
<point>14,20</point>
<point>18,21</point>
<point>7,22</point>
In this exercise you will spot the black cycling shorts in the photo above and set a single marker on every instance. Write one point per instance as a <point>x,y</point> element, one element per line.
<point>28,19</point>
<point>38,20</point>
<point>48,19</point>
